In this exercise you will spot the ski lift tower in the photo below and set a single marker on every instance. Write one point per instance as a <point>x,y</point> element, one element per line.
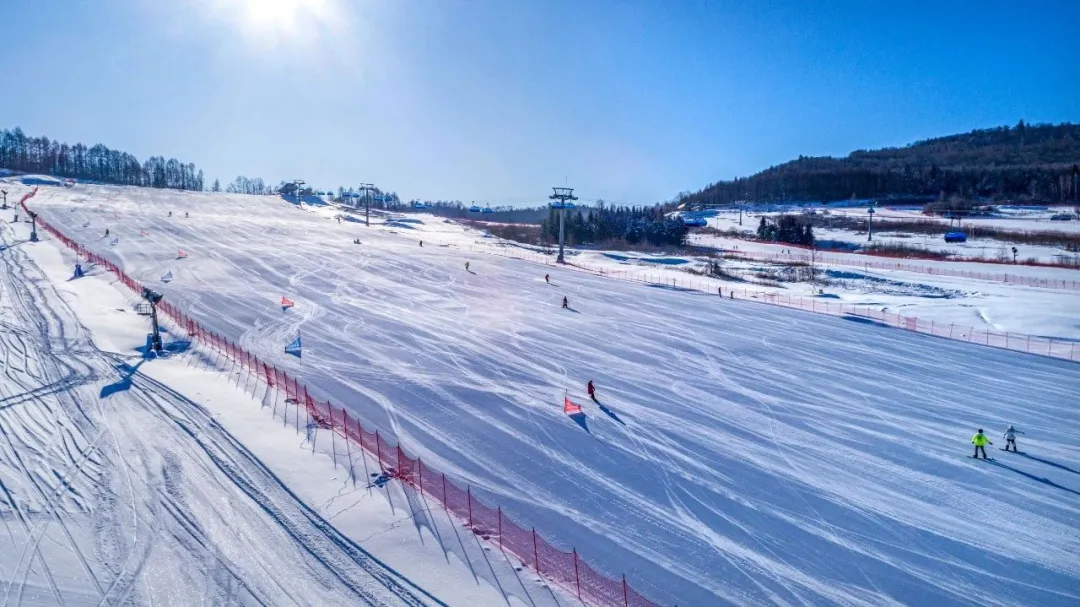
<point>367,187</point>
<point>561,200</point>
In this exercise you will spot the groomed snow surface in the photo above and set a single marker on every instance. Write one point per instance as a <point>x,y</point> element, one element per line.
<point>744,454</point>
<point>134,481</point>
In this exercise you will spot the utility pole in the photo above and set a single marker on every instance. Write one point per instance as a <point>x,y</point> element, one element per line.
<point>870,225</point>
<point>562,195</point>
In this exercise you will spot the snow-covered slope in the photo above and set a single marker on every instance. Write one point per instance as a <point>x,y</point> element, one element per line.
<point>126,480</point>
<point>744,454</point>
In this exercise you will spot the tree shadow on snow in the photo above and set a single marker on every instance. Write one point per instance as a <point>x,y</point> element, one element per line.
<point>609,412</point>
<point>1041,479</point>
<point>1048,463</point>
<point>580,419</point>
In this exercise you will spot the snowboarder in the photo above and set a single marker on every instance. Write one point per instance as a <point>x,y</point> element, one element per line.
<point>421,244</point>
<point>980,441</point>
<point>592,391</point>
<point>106,231</point>
<point>466,266</point>
<point>1010,438</point>
<point>565,302</point>
<point>547,278</point>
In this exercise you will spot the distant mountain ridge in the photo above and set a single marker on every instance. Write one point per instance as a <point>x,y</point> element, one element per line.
<point>1029,163</point>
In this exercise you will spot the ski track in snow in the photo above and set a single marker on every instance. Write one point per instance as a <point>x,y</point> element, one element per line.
<point>748,455</point>
<point>188,517</point>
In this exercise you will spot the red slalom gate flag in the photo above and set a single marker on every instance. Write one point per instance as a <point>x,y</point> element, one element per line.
<point>569,407</point>
<point>286,303</point>
<point>181,254</point>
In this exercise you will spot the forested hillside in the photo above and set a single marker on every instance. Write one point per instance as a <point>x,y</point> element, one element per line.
<point>1036,163</point>
<point>19,152</point>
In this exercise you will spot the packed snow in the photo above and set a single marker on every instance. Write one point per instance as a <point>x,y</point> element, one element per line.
<point>127,479</point>
<point>742,454</point>
<point>985,249</point>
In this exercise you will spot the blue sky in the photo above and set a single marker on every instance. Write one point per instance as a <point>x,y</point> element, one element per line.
<point>629,101</point>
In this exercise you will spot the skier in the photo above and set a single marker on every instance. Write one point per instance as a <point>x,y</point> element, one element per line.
<point>421,244</point>
<point>980,441</point>
<point>106,231</point>
<point>547,278</point>
<point>466,266</point>
<point>1010,438</point>
<point>565,302</point>
<point>592,391</point>
<point>186,215</point>
<point>170,213</point>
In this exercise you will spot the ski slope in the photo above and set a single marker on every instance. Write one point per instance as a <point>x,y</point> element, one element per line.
<point>133,480</point>
<point>744,455</point>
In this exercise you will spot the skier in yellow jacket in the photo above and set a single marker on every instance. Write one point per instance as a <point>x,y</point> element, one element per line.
<point>980,441</point>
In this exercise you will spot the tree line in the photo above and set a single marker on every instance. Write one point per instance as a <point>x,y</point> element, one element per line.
<point>99,163</point>
<point>1036,163</point>
<point>629,225</point>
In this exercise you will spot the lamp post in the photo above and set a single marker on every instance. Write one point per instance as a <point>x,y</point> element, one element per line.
<point>153,297</point>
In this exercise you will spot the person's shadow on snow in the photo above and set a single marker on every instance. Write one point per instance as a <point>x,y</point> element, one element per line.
<point>608,412</point>
<point>1048,462</point>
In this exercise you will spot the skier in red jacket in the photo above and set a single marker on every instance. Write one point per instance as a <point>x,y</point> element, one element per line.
<point>592,391</point>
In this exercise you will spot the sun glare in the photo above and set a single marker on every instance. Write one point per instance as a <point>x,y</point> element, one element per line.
<point>279,21</point>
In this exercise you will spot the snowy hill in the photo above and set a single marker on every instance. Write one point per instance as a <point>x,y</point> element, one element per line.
<point>743,454</point>
<point>126,480</point>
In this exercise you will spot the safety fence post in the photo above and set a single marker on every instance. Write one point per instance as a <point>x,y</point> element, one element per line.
<point>577,577</point>
<point>536,553</point>
<point>378,450</point>
<point>468,495</point>
<point>348,447</point>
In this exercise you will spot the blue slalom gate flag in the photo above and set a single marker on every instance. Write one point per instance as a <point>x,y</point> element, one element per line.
<point>294,347</point>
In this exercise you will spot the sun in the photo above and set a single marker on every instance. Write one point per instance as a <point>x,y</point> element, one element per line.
<point>278,21</point>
